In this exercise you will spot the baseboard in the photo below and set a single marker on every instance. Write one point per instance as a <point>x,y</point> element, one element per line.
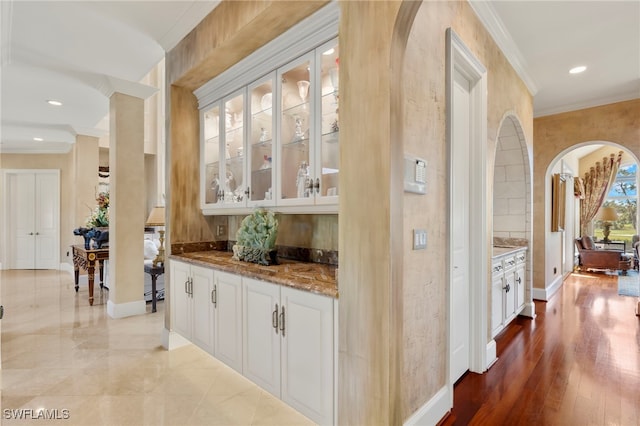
<point>172,340</point>
<point>546,293</point>
<point>491,353</point>
<point>129,309</point>
<point>433,411</point>
<point>529,310</point>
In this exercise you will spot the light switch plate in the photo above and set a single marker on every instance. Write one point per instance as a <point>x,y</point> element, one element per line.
<point>419,239</point>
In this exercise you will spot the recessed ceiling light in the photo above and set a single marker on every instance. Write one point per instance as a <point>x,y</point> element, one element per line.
<point>54,102</point>
<point>577,70</point>
<point>38,139</point>
<point>329,52</point>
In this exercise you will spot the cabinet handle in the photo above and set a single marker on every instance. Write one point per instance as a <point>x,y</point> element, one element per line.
<point>214,296</point>
<point>507,288</point>
<point>317,185</point>
<point>186,286</point>
<point>247,191</point>
<point>282,321</point>
<point>274,319</point>
<point>519,280</point>
<point>191,286</point>
<point>30,233</point>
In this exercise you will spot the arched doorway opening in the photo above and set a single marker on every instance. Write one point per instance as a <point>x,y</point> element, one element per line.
<point>575,161</point>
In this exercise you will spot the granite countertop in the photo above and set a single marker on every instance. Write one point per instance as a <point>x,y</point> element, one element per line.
<point>501,250</point>
<point>313,277</point>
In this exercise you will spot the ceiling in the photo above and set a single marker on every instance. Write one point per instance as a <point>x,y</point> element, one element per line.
<point>79,52</point>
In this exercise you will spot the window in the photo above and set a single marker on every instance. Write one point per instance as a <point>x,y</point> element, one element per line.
<point>623,196</point>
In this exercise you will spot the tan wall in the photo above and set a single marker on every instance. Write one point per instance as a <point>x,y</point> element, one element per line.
<point>554,134</point>
<point>392,330</point>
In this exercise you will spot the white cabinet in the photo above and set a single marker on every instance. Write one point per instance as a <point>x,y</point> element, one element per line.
<point>289,346</point>
<point>227,305</point>
<point>507,289</point>
<point>191,291</point>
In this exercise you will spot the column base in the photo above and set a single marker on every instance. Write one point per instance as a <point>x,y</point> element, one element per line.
<point>129,309</point>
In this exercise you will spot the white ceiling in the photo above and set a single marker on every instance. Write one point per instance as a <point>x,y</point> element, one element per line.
<point>80,51</point>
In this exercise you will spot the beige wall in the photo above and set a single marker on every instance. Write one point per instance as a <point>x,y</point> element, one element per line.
<point>618,123</point>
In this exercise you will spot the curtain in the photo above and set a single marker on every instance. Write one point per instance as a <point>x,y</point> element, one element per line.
<point>597,182</point>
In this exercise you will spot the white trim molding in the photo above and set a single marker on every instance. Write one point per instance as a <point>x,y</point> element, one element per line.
<point>485,11</point>
<point>432,412</point>
<point>546,293</point>
<point>129,309</point>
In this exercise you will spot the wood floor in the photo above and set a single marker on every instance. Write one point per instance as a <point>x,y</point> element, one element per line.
<point>577,363</point>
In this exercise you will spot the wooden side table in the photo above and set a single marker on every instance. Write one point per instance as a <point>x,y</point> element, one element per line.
<point>155,272</point>
<point>88,259</point>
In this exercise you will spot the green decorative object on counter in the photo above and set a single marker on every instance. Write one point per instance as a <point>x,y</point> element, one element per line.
<point>256,238</point>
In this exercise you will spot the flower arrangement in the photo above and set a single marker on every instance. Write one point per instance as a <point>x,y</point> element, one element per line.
<point>256,238</point>
<point>100,215</point>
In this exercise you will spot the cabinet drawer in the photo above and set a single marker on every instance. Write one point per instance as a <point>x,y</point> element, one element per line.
<point>521,257</point>
<point>497,267</point>
<point>509,262</point>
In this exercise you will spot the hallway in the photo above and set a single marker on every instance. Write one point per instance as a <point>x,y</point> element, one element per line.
<point>577,363</point>
<point>59,353</point>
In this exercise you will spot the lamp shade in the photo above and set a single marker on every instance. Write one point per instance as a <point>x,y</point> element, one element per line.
<point>156,217</point>
<point>608,214</point>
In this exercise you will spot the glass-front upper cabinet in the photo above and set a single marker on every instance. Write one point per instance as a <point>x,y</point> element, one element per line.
<point>211,155</point>
<point>275,141</point>
<point>234,182</point>
<point>223,152</point>
<point>260,158</point>
<point>296,131</point>
<point>328,150</point>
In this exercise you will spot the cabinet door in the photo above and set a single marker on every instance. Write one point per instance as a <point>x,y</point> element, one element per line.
<point>228,319</point>
<point>211,181</point>
<point>296,130</point>
<point>180,298</point>
<point>261,337</point>
<point>328,148</point>
<point>497,303</point>
<point>510,295</point>
<point>307,353</point>
<point>201,296</point>
<point>234,184</point>
<point>260,153</point>
<point>520,283</point>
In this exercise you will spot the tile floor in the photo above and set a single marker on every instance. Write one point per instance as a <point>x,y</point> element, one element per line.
<point>73,360</point>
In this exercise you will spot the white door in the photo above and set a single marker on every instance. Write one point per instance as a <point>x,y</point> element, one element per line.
<point>261,341</point>
<point>460,240</point>
<point>32,200</point>
<point>228,319</point>
<point>307,353</point>
<point>202,298</point>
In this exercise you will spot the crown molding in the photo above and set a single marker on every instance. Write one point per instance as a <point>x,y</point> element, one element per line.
<point>586,104</point>
<point>494,25</point>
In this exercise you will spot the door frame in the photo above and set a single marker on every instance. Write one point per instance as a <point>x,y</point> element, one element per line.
<point>461,59</point>
<point>5,211</point>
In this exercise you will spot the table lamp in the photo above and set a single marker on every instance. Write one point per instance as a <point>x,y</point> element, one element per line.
<point>607,216</point>
<point>156,218</point>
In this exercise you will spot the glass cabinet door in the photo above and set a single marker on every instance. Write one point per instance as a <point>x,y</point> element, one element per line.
<point>234,184</point>
<point>329,149</point>
<point>296,126</point>
<point>261,134</point>
<point>211,153</point>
